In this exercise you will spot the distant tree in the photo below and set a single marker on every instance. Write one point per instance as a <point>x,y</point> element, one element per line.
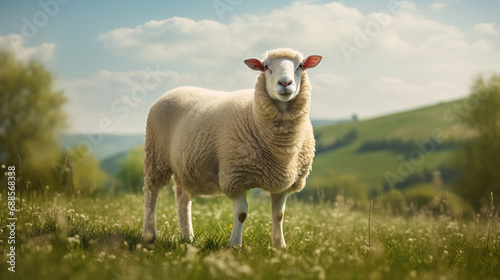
<point>31,115</point>
<point>479,158</point>
<point>342,141</point>
<point>79,173</point>
<point>131,176</point>
<point>354,117</point>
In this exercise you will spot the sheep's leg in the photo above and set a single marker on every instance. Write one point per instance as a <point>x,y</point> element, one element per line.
<point>278,201</point>
<point>184,211</point>
<point>149,229</point>
<point>240,210</point>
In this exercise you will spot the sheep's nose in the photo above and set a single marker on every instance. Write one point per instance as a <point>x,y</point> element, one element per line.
<point>285,84</point>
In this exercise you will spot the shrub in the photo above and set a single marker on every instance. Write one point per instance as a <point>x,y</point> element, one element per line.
<point>344,189</point>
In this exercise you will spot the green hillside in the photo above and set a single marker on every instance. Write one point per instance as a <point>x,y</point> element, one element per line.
<point>369,167</point>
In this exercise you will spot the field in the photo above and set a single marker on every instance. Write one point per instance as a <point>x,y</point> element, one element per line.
<point>336,237</point>
<point>99,238</point>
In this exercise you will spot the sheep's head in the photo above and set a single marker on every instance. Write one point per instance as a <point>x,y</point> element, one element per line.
<point>283,69</point>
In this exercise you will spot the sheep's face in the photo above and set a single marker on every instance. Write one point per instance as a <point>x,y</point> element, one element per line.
<point>283,77</point>
<point>283,74</point>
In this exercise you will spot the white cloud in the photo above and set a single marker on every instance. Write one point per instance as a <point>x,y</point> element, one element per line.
<point>328,81</point>
<point>437,6</point>
<point>14,43</point>
<point>395,94</point>
<point>415,34</point>
<point>209,42</point>
<point>169,39</point>
<point>408,6</point>
<point>212,43</point>
<point>118,83</point>
<point>124,98</point>
<point>486,28</point>
<point>412,60</point>
<point>417,94</point>
<point>120,97</point>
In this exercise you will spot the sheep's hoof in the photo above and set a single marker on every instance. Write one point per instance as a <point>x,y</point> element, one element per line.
<point>148,239</point>
<point>237,247</point>
<point>279,245</point>
<point>187,239</point>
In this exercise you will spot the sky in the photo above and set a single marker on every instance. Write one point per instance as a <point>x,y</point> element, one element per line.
<point>113,59</point>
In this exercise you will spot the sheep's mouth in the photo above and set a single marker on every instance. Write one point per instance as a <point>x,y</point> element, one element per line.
<point>285,93</point>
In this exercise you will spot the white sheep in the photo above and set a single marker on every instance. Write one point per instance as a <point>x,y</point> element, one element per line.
<point>213,142</point>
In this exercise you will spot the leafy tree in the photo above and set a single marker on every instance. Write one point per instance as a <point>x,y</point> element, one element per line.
<point>480,157</point>
<point>336,188</point>
<point>31,114</point>
<point>89,178</point>
<point>131,176</point>
<point>79,173</point>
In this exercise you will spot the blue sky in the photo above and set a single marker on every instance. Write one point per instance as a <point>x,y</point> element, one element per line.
<point>378,58</point>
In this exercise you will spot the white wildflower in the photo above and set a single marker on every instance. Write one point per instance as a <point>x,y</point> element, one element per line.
<point>191,253</point>
<point>74,240</point>
<point>224,265</point>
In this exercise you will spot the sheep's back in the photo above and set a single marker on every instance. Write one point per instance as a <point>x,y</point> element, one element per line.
<point>187,124</point>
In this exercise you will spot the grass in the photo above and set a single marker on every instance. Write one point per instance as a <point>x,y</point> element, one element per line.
<point>99,238</point>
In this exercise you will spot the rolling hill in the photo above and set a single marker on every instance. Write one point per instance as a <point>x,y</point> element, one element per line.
<point>432,127</point>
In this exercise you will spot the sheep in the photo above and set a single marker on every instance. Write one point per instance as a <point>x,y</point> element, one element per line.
<point>211,142</point>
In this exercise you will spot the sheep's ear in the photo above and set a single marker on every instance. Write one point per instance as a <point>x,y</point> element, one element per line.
<point>254,64</point>
<point>311,61</point>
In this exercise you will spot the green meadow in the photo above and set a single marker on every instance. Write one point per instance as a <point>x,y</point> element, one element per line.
<point>333,228</point>
<point>99,238</point>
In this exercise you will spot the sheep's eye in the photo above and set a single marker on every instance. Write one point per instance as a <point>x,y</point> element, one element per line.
<point>266,67</point>
<point>301,65</point>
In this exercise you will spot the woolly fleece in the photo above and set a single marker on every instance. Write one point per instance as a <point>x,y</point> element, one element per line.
<point>216,142</point>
